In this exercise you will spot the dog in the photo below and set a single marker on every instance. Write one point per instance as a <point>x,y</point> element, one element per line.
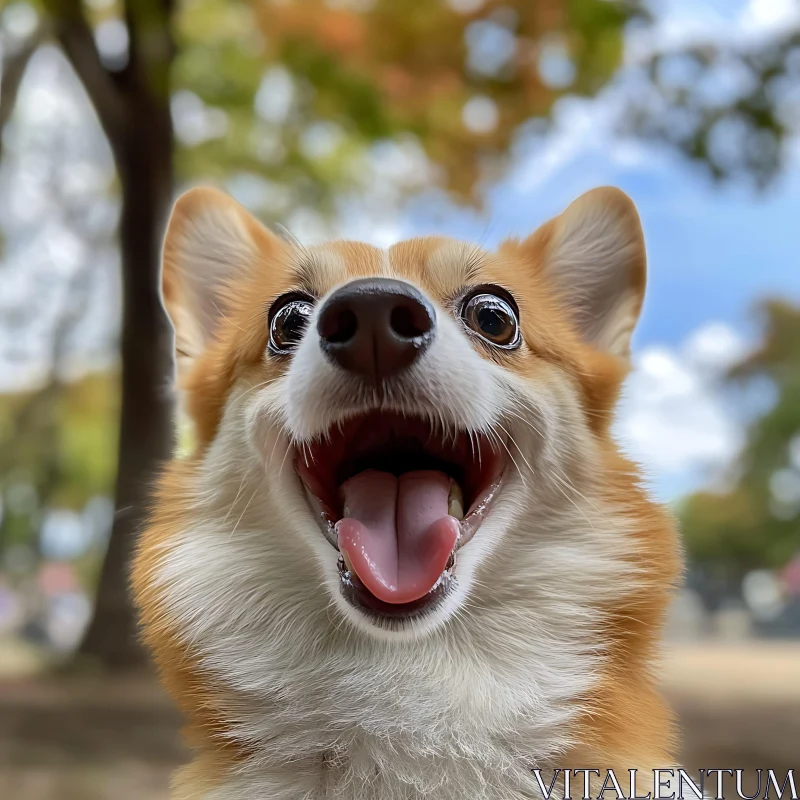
<point>406,558</point>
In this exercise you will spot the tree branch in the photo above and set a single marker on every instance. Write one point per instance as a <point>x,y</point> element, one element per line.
<point>151,48</point>
<point>14,65</point>
<point>73,32</point>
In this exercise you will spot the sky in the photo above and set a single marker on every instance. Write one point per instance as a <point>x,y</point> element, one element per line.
<point>713,250</point>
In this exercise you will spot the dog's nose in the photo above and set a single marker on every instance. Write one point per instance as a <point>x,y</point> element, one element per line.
<point>376,327</point>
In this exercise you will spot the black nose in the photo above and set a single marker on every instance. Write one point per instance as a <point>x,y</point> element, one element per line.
<point>376,327</point>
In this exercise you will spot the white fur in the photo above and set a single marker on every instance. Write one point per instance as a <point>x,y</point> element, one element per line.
<point>459,705</point>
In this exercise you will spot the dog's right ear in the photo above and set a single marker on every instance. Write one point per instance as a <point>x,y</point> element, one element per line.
<point>593,256</point>
<point>210,241</point>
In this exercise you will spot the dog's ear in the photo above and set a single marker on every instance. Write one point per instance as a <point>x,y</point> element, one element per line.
<point>210,241</point>
<point>593,256</point>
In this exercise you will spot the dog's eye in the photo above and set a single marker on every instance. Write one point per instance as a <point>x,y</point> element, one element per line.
<point>289,317</point>
<point>493,318</point>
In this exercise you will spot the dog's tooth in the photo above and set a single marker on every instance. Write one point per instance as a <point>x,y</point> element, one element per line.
<point>455,501</point>
<point>347,561</point>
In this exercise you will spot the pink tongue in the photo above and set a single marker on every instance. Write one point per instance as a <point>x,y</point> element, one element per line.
<point>396,532</point>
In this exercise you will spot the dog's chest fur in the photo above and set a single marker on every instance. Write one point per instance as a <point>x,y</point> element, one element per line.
<point>407,747</point>
<point>412,730</point>
<point>323,713</point>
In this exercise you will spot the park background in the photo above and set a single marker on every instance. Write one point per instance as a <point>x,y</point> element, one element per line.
<point>379,120</point>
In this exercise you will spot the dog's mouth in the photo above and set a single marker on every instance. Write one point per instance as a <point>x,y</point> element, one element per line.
<point>398,498</point>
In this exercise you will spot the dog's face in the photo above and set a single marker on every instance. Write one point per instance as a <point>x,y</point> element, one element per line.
<point>400,434</point>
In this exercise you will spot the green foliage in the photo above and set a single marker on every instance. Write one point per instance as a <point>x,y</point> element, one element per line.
<point>57,450</point>
<point>755,524</point>
<point>374,72</point>
<point>90,409</point>
<point>597,41</point>
<point>744,133</point>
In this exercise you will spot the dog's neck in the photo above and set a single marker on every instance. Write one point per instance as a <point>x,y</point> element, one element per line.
<point>406,722</point>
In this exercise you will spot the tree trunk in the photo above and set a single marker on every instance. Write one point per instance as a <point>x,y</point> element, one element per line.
<point>144,163</point>
<point>133,107</point>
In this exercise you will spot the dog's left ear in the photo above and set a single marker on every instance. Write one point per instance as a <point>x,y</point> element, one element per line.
<point>593,256</point>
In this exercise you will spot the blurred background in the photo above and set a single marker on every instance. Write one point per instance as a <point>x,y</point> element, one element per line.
<point>378,120</point>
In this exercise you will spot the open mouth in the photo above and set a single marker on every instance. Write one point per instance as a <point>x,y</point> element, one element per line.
<point>398,498</point>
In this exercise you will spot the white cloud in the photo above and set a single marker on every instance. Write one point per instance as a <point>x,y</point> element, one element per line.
<point>112,40</point>
<point>19,20</point>
<point>675,418</point>
<point>581,125</point>
<point>714,348</point>
<point>769,16</point>
<point>682,23</point>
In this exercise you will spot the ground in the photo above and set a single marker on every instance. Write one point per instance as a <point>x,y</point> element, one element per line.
<point>98,739</point>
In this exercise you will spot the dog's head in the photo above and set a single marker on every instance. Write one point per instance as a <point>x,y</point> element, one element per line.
<point>393,435</point>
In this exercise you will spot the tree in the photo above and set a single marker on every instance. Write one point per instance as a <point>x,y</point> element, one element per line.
<point>369,74</point>
<point>132,103</point>
<point>729,105</point>
<point>756,522</point>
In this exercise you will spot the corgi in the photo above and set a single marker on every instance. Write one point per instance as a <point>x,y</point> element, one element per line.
<point>406,558</point>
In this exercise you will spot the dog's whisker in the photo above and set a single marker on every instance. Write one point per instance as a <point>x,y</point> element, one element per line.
<point>236,499</point>
<point>244,511</point>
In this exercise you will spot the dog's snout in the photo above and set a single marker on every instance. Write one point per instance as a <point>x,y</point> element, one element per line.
<point>376,327</point>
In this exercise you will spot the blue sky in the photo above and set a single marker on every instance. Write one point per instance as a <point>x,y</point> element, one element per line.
<point>714,250</point>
